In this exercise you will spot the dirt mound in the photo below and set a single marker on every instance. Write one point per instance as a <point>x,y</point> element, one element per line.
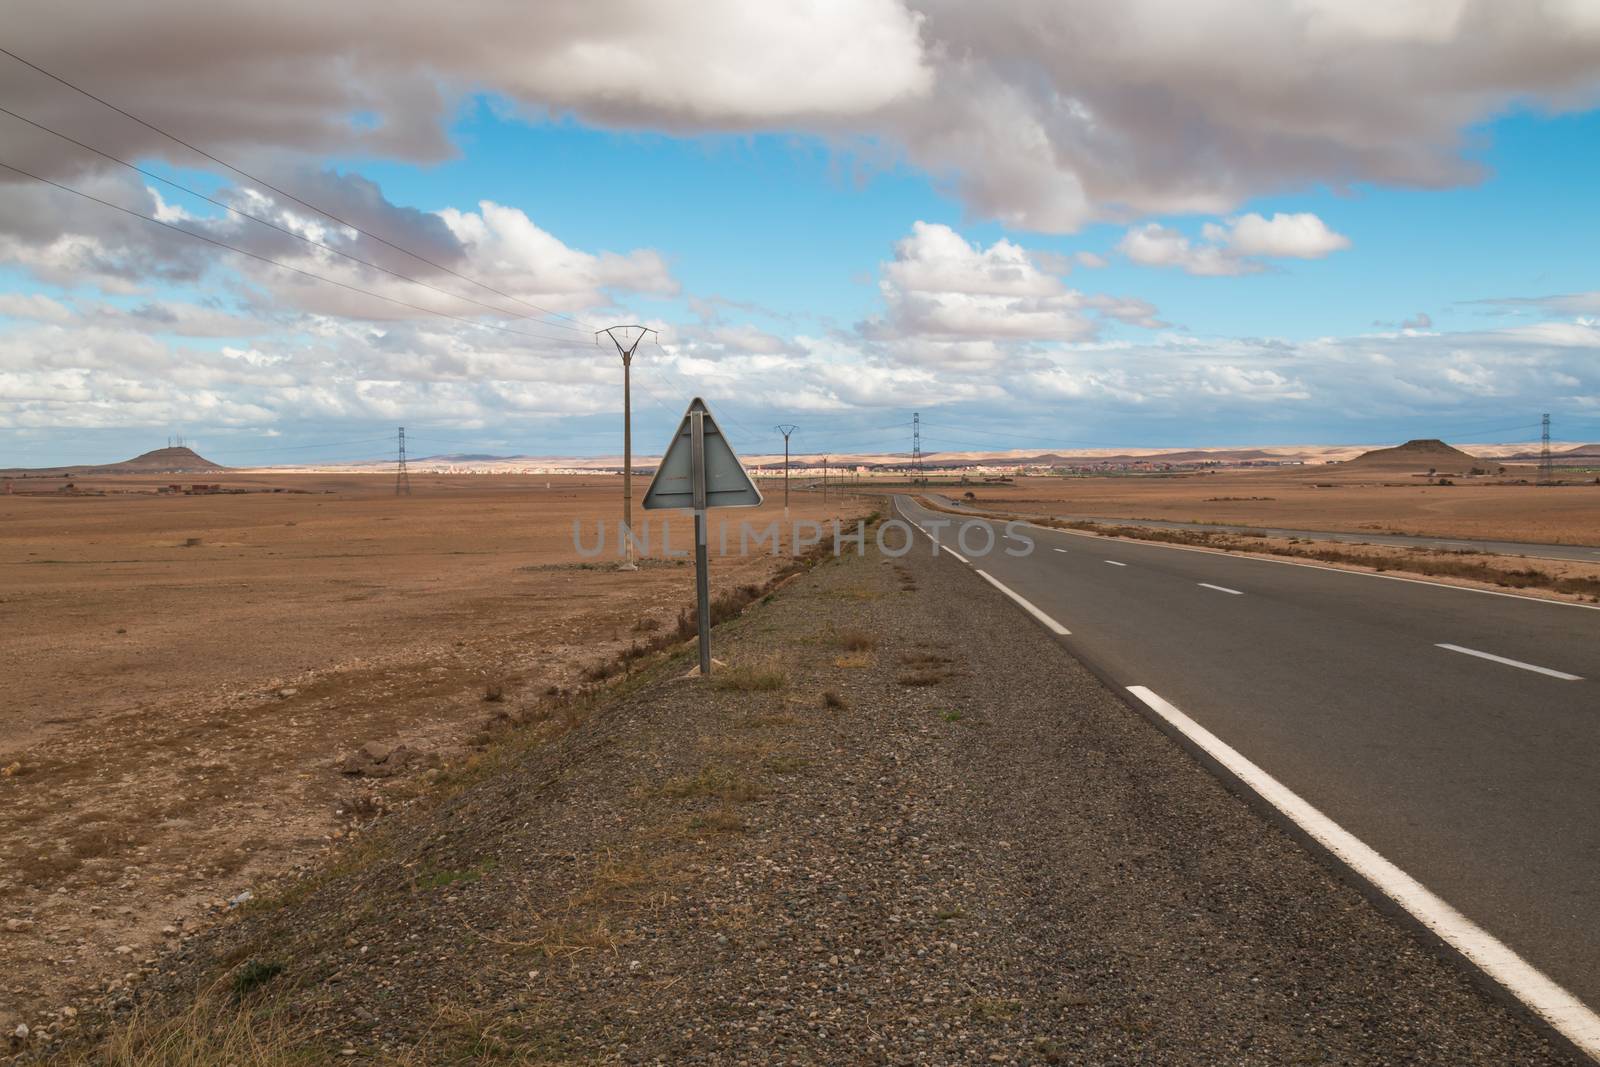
<point>1421,454</point>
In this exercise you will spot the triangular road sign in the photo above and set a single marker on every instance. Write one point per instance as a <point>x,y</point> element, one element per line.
<point>726,483</point>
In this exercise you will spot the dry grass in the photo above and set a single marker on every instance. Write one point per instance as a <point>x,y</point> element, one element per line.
<point>213,1031</point>
<point>720,821</point>
<point>715,782</point>
<point>854,661</point>
<point>857,641</point>
<point>833,700</point>
<point>751,678</point>
<point>924,667</point>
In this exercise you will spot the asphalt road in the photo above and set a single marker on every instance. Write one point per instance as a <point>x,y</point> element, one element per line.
<point>1531,549</point>
<point>1479,778</point>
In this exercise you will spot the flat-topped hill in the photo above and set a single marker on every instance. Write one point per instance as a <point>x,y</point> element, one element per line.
<point>1421,454</point>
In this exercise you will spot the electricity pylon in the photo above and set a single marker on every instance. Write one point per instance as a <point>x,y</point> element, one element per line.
<point>402,477</point>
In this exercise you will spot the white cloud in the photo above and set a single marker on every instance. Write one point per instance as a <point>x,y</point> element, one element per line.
<point>951,302</point>
<point>1154,245</point>
<point>1298,236</point>
<point>1041,114</point>
<point>1234,248</point>
<point>1561,303</point>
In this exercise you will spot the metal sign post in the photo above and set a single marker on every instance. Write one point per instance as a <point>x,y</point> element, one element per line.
<point>700,471</point>
<point>702,576</point>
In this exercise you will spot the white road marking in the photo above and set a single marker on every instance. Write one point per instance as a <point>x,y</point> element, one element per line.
<point>1063,550</point>
<point>1220,588</point>
<point>938,546</point>
<point>1114,563</point>
<point>1323,567</point>
<point>1549,1001</point>
<point>1563,675</point>
<point>1050,624</point>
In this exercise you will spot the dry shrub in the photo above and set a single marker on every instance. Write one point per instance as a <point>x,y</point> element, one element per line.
<point>857,641</point>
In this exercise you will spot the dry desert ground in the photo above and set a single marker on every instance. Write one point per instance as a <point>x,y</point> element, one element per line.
<point>1314,498</point>
<point>184,672</point>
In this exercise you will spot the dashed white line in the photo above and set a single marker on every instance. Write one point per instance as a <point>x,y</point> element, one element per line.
<point>1220,588</point>
<point>1050,624</point>
<point>1555,1005</point>
<point>1563,675</point>
<point>1114,563</point>
<point>1324,567</point>
<point>1060,550</point>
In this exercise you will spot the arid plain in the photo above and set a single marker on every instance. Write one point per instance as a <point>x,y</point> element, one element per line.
<point>1318,498</point>
<point>184,674</point>
<point>207,691</point>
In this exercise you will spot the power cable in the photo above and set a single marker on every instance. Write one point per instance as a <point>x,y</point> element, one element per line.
<point>274,226</point>
<point>282,192</point>
<point>283,266</point>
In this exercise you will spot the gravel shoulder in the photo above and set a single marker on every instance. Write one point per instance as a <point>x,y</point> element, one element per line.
<point>904,827</point>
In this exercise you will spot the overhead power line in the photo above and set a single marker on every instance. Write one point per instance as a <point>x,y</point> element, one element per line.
<point>284,266</point>
<point>284,192</point>
<point>274,226</point>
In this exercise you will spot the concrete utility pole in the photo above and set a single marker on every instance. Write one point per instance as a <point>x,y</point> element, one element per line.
<point>786,429</point>
<point>627,431</point>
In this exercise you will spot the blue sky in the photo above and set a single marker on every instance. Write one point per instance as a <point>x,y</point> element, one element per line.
<point>1386,265</point>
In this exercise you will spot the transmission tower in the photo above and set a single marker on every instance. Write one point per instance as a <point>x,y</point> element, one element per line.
<point>916,448</point>
<point>1547,472</point>
<point>402,478</point>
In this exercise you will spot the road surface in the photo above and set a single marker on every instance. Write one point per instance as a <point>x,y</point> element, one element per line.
<point>1531,549</point>
<point>1455,733</point>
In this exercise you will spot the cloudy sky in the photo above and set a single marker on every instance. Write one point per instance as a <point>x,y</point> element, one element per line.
<point>1118,223</point>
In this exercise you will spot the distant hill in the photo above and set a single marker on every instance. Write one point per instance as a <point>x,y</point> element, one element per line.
<point>161,461</point>
<point>1418,455</point>
<point>1583,452</point>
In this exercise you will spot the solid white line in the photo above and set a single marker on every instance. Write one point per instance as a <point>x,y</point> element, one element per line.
<point>1563,675</point>
<point>1320,567</point>
<point>1114,563</point>
<point>1051,624</point>
<point>1555,1005</point>
<point>953,552</point>
<point>1220,588</point>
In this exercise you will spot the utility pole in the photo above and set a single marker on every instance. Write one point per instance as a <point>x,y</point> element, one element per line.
<point>916,448</point>
<point>1547,465</point>
<point>786,429</point>
<point>402,478</point>
<point>627,431</point>
<point>824,481</point>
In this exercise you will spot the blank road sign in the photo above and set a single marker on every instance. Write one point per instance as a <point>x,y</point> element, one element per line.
<point>727,484</point>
